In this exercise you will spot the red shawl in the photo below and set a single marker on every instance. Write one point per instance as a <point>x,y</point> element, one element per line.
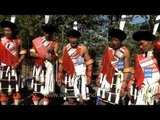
<point>67,61</point>
<point>42,50</point>
<point>107,67</point>
<point>6,56</point>
<point>139,74</point>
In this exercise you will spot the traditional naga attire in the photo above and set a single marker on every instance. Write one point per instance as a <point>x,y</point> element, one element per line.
<point>10,79</point>
<point>76,75</point>
<point>44,71</point>
<point>111,76</point>
<point>147,75</point>
<point>10,53</point>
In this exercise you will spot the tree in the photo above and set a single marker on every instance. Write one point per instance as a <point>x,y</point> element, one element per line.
<point>94,29</point>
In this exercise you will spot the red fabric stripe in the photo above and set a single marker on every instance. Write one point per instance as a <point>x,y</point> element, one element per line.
<point>67,61</point>
<point>42,50</point>
<point>107,67</point>
<point>6,57</point>
<point>139,74</point>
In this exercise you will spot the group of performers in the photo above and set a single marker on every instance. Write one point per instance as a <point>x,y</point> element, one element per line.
<point>73,68</point>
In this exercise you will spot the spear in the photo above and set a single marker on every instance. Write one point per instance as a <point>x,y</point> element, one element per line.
<point>155,28</point>
<point>46,19</point>
<point>122,22</point>
<point>13,18</point>
<point>75,25</point>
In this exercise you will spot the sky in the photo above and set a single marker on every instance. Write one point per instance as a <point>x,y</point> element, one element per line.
<point>139,19</point>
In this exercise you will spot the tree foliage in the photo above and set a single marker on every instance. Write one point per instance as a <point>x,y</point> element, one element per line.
<point>94,29</point>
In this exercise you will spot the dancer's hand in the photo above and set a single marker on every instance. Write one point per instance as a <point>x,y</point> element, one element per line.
<point>48,57</point>
<point>59,82</point>
<point>88,80</point>
<point>98,81</point>
<point>15,66</point>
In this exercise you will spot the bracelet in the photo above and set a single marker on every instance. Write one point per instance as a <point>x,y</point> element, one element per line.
<point>123,88</point>
<point>124,80</point>
<point>89,73</point>
<point>60,76</point>
<point>89,62</point>
<point>131,80</point>
<point>18,62</point>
